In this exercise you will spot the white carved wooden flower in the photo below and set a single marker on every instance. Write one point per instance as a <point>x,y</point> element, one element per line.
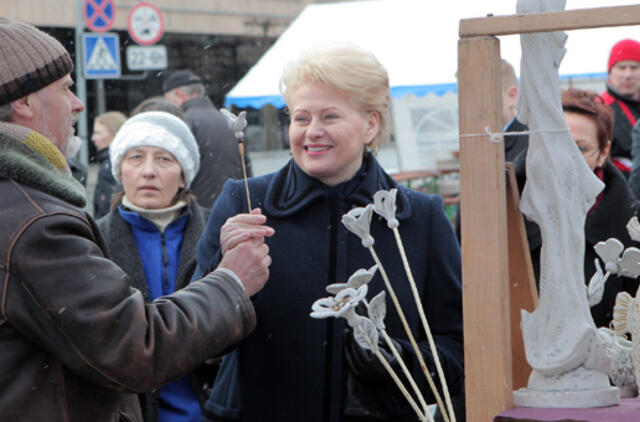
<point>627,265</point>
<point>340,305</point>
<point>384,204</point>
<point>358,221</point>
<point>236,123</point>
<point>357,279</point>
<point>609,251</point>
<point>633,227</point>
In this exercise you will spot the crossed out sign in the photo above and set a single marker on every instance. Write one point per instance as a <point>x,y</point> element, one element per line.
<point>98,15</point>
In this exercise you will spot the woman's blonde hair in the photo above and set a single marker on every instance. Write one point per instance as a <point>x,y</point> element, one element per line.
<point>112,120</point>
<point>352,71</point>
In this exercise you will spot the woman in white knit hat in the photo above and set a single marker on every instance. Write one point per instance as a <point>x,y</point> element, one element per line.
<point>152,231</point>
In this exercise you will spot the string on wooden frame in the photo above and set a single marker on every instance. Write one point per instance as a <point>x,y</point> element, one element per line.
<point>498,137</point>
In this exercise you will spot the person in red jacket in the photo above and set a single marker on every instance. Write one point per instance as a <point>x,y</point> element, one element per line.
<point>623,96</point>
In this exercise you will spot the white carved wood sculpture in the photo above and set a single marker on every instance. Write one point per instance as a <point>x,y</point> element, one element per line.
<point>569,357</point>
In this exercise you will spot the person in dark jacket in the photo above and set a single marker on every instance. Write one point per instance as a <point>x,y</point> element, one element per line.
<point>623,96</point>
<point>590,123</point>
<point>295,368</point>
<point>77,342</point>
<point>105,127</point>
<point>152,233</point>
<point>634,177</point>
<point>78,170</point>
<point>219,154</point>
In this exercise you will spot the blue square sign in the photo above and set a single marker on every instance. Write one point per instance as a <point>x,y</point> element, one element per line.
<point>101,55</point>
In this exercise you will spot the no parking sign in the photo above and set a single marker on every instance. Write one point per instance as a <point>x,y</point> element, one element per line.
<point>98,15</point>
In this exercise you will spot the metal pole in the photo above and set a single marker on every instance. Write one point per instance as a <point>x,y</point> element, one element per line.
<point>101,100</point>
<point>81,86</point>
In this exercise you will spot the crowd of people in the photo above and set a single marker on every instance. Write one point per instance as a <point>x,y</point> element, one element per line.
<point>175,302</point>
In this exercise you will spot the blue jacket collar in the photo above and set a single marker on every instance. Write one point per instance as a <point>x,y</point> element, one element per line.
<point>141,223</point>
<point>292,190</point>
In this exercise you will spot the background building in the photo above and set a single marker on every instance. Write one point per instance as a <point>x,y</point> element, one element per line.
<point>219,40</point>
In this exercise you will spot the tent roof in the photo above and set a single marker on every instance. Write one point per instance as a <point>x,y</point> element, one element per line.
<point>416,40</point>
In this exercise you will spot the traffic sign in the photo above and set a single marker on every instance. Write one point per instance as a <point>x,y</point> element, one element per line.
<point>153,57</point>
<point>98,15</point>
<point>146,25</point>
<point>101,55</point>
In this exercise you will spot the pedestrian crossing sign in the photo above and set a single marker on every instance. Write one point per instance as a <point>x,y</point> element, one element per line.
<point>101,55</point>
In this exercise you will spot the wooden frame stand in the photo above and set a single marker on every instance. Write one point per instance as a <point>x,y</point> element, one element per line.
<point>496,279</point>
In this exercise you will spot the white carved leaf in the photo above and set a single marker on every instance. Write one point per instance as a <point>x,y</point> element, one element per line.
<point>595,289</point>
<point>335,288</point>
<point>361,277</point>
<point>366,335</point>
<point>630,263</point>
<point>633,227</point>
<point>378,310</point>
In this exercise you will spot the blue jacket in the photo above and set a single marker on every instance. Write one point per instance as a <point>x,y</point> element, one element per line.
<point>159,264</point>
<point>292,367</point>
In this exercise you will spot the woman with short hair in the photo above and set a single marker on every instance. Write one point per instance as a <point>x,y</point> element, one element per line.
<point>294,368</point>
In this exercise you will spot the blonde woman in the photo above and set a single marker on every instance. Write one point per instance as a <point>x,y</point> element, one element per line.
<point>105,127</point>
<point>294,368</point>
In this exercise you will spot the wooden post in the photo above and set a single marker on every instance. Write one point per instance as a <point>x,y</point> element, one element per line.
<point>485,268</point>
<point>522,284</point>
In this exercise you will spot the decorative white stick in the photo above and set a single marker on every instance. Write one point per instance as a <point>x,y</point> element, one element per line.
<point>403,389</point>
<point>412,340</point>
<point>358,221</point>
<point>377,311</point>
<point>385,205</point>
<point>342,305</point>
<point>237,124</point>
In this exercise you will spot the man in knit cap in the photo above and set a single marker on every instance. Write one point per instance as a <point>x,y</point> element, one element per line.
<point>623,96</point>
<point>76,342</point>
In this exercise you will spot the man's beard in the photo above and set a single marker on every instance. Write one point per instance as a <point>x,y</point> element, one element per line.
<point>72,143</point>
<point>71,147</point>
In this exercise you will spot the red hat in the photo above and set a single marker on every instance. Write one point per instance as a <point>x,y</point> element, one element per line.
<point>624,50</point>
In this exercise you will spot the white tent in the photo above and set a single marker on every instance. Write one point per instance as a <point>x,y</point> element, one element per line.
<point>416,40</point>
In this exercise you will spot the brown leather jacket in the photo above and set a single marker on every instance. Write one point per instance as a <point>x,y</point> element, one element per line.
<point>75,339</point>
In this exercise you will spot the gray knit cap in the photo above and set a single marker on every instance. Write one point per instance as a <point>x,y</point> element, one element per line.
<point>157,129</point>
<point>29,60</point>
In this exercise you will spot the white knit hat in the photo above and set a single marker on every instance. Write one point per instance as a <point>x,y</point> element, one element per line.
<point>161,130</point>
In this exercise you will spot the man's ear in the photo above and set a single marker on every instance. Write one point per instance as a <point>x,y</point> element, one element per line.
<point>23,107</point>
<point>512,94</point>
